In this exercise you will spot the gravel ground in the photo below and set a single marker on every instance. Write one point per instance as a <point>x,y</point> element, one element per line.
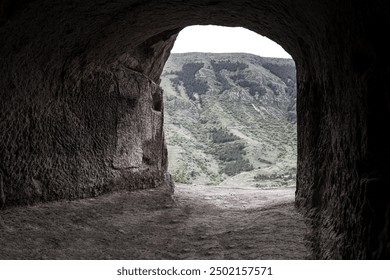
<point>198,222</point>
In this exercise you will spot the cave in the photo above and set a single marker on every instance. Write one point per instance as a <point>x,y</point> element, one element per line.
<point>81,111</point>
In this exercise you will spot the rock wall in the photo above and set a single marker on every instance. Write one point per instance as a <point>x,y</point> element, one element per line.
<point>74,126</point>
<point>81,110</point>
<point>104,123</point>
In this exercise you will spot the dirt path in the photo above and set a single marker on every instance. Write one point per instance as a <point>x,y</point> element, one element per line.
<point>201,222</point>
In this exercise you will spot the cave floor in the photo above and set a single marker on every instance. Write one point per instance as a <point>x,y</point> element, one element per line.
<point>200,222</point>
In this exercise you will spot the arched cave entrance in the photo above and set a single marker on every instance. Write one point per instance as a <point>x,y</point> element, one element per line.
<point>229,114</point>
<point>76,77</point>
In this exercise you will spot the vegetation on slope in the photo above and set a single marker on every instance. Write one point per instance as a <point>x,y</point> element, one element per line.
<point>218,66</point>
<point>230,119</point>
<point>187,76</point>
<point>220,135</point>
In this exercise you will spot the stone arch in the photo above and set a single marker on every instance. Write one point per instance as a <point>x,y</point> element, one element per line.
<point>76,76</point>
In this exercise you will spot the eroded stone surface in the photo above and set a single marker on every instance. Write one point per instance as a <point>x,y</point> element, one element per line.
<point>199,222</point>
<point>67,96</point>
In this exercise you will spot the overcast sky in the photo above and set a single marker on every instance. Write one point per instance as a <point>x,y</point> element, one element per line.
<point>218,39</point>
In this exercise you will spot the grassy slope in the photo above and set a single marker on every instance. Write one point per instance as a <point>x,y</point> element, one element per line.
<point>260,121</point>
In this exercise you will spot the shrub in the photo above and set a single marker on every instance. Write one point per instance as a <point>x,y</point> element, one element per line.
<point>254,88</point>
<point>273,87</point>
<point>231,152</point>
<point>222,136</point>
<point>226,65</point>
<point>235,167</point>
<point>237,77</point>
<point>188,76</point>
<point>287,73</point>
<point>181,176</point>
<point>284,71</point>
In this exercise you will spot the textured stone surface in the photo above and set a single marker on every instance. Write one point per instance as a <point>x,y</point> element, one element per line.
<point>78,97</point>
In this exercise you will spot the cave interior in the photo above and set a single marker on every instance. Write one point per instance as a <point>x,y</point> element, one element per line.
<point>81,111</point>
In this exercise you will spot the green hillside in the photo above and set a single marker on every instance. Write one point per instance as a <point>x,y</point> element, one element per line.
<point>230,119</point>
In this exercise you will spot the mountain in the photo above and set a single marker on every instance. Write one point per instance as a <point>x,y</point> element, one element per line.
<point>230,119</point>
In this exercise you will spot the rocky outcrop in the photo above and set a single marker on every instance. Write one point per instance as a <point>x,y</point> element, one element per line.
<point>75,76</point>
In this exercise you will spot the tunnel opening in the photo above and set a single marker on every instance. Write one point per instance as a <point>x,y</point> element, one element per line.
<point>230,128</point>
<point>230,114</point>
